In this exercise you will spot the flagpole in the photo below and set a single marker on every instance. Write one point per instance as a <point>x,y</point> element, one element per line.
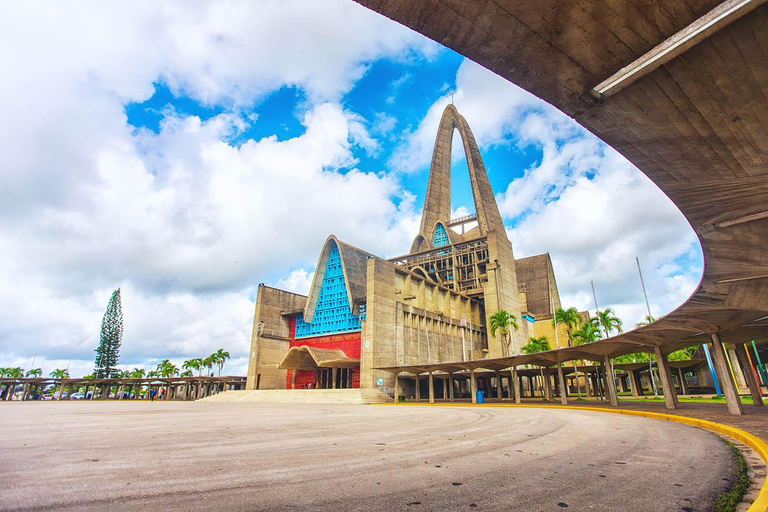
<point>650,317</point>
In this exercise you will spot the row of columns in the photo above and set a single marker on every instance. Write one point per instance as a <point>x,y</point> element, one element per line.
<point>193,390</point>
<point>608,381</point>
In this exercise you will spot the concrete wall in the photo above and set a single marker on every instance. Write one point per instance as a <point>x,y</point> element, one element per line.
<point>411,321</point>
<point>270,343</point>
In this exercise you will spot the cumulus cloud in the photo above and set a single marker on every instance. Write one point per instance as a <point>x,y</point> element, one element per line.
<point>182,219</point>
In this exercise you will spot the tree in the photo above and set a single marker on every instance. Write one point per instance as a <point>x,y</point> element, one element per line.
<point>193,364</point>
<point>60,373</point>
<point>108,352</point>
<point>208,363</point>
<point>501,321</point>
<point>186,373</point>
<point>220,357</point>
<point>137,373</point>
<point>609,321</point>
<point>645,321</point>
<point>587,333</point>
<point>167,369</point>
<point>14,373</point>
<point>570,318</point>
<point>35,372</point>
<point>540,344</point>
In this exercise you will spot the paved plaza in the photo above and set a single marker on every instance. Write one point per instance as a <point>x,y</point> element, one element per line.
<point>227,456</point>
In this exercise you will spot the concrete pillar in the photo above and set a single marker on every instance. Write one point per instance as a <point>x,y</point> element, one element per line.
<point>724,376</point>
<point>683,385</point>
<point>588,384</point>
<point>610,384</point>
<point>431,389</point>
<point>670,394</point>
<point>473,386</point>
<point>563,388</point>
<point>450,387</point>
<point>498,386</point>
<point>333,377</point>
<point>752,383</point>
<point>418,388</point>
<point>637,385</point>
<point>397,388</point>
<point>293,378</point>
<point>547,385</point>
<point>516,381</point>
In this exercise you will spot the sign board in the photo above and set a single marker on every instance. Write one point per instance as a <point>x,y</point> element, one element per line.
<point>379,382</point>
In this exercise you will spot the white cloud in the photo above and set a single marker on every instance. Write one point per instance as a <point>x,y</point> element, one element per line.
<point>492,106</point>
<point>299,281</point>
<point>184,221</point>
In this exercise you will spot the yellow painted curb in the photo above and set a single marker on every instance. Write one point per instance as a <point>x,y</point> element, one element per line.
<point>759,505</point>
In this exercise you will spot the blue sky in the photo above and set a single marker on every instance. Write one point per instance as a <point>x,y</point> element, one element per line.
<point>188,153</point>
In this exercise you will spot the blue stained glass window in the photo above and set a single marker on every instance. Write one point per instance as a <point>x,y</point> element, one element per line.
<point>440,237</point>
<point>332,312</point>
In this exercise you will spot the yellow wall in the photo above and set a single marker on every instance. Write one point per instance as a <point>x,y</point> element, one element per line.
<point>544,327</point>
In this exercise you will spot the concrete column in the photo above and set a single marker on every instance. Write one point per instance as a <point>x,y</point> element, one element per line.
<point>683,385</point>
<point>293,378</point>
<point>450,387</point>
<point>516,382</point>
<point>563,388</point>
<point>587,384</point>
<point>610,384</point>
<point>746,369</point>
<point>397,388</point>
<point>724,376</point>
<point>637,385</point>
<point>547,385</point>
<point>473,386</point>
<point>670,394</point>
<point>418,388</point>
<point>333,377</point>
<point>431,389</point>
<point>498,386</point>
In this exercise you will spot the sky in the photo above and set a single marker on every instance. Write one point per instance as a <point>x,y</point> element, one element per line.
<point>187,151</point>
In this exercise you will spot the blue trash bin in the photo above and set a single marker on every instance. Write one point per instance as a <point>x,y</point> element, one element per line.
<point>480,397</point>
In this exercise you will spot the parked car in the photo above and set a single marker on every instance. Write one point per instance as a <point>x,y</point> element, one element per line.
<point>77,396</point>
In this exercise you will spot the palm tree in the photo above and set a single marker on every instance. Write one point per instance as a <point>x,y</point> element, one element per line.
<point>645,321</point>
<point>540,344</point>
<point>167,369</point>
<point>60,373</point>
<point>587,333</point>
<point>502,321</point>
<point>208,363</point>
<point>193,364</point>
<point>15,373</point>
<point>570,318</point>
<point>35,372</point>
<point>186,373</point>
<point>137,373</point>
<point>220,357</point>
<point>608,319</point>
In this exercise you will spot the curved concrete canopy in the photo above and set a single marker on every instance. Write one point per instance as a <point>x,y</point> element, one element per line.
<point>697,125</point>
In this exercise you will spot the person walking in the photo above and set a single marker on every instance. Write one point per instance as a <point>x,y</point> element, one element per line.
<point>152,394</point>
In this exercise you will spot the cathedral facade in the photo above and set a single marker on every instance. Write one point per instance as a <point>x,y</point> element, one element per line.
<point>431,305</point>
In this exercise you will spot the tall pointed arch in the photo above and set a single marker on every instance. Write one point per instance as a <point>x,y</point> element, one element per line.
<point>437,203</point>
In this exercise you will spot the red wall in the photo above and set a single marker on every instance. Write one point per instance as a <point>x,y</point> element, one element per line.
<point>349,342</point>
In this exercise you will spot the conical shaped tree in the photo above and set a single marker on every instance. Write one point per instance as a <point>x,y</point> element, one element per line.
<point>108,352</point>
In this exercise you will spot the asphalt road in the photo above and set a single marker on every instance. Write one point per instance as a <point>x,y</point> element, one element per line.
<point>241,456</point>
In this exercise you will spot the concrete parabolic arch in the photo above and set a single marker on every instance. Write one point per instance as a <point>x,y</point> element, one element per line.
<point>437,202</point>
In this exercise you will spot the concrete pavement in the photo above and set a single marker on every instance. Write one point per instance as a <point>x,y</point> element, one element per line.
<point>216,456</point>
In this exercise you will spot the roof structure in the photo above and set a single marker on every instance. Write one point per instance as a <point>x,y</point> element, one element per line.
<point>354,265</point>
<point>310,358</point>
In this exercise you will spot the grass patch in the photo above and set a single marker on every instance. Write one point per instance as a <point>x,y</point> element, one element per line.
<point>729,499</point>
